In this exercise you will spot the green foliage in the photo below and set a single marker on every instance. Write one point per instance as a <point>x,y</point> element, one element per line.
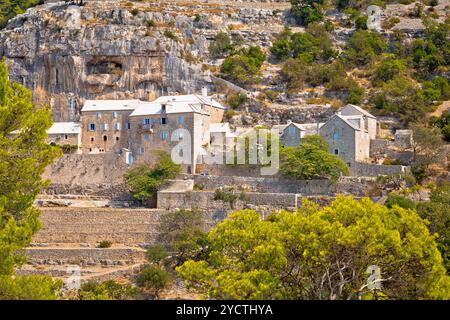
<point>156,253</point>
<point>401,97</point>
<point>11,8</point>
<point>221,46</point>
<point>399,200</point>
<point>428,143</point>
<point>108,290</point>
<point>307,11</point>
<point>104,244</point>
<point>244,68</point>
<point>150,23</point>
<point>24,156</point>
<point>235,100</point>
<point>320,253</point>
<point>69,148</point>
<point>387,70</point>
<point>182,232</point>
<point>144,181</point>
<point>437,212</point>
<point>443,123</point>
<point>29,288</point>
<point>313,45</point>
<point>153,279</point>
<point>311,160</point>
<point>170,35</point>
<point>364,46</point>
<point>230,196</point>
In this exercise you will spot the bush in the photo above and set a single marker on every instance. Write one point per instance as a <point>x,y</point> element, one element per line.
<point>104,244</point>
<point>69,148</point>
<point>144,181</point>
<point>307,11</point>
<point>235,100</point>
<point>395,199</point>
<point>364,46</point>
<point>311,160</point>
<point>150,23</point>
<point>108,290</point>
<point>170,34</point>
<point>244,68</point>
<point>221,46</point>
<point>153,279</point>
<point>156,253</point>
<point>134,11</point>
<point>29,288</point>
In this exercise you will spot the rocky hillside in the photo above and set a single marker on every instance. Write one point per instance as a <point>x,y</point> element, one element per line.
<point>67,53</point>
<point>118,49</point>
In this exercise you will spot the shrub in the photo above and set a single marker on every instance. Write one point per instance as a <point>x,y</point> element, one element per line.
<point>150,23</point>
<point>221,46</point>
<point>170,34</point>
<point>396,199</point>
<point>108,290</point>
<point>235,100</point>
<point>134,11</point>
<point>104,244</point>
<point>156,253</point>
<point>144,181</point>
<point>69,148</point>
<point>244,68</point>
<point>153,279</point>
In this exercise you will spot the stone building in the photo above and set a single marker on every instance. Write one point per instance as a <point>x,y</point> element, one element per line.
<point>349,133</point>
<point>105,125</point>
<point>65,133</point>
<point>138,128</point>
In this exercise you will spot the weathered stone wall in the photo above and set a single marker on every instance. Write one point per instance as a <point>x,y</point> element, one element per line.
<point>135,227</point>
<point>374,170</point>
<point>86,170</point>
<point>205,200</point>
<point>346,185</point>
<point>118,191</point>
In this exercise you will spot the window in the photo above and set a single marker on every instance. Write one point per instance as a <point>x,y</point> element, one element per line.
<point>114,114</point>
<point>146,121</point>
<point>66,137</point>
<point>117,138</point>
<point>163,108</point>
<point>164,135</point>
<point>90,149</point>
<point>99,115</point>
<point>105,138</point>
<point>336,136</point>
<point>336,151</point>
<point>128,126</point>
<point>117,126</point>
<point>105,127</point>
<point>291,130</point>
<point>180,136</point>
<point>146,137</point>
<point>180,119</point>
<point>142,150</point>
<point>92,127</point>
<point>92,139</point>
<point>163,120</point>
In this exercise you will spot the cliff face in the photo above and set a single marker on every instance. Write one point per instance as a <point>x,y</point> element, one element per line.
<point>115,50</point>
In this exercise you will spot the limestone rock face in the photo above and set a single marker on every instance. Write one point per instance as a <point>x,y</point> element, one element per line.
<point>121,50</point>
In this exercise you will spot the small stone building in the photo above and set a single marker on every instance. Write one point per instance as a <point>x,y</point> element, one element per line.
<point>65,133</point>
<point>349,133</point>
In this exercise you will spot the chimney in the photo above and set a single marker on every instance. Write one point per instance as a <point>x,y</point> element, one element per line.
<point>289,121</point>
<point>204,91</point>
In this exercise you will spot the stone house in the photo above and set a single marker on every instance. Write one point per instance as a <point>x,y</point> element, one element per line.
<point>65,133</point>
<point>349,133</point>
<point>153,127</point>
<point>105,125</point>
